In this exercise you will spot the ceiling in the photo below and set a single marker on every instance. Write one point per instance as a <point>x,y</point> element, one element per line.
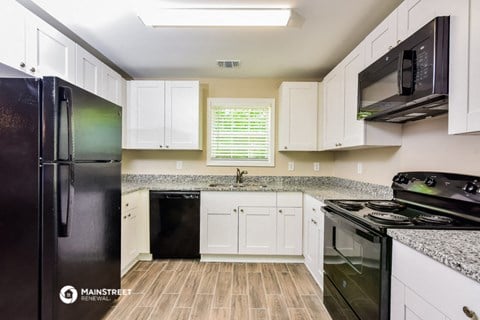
<point>319,35</point>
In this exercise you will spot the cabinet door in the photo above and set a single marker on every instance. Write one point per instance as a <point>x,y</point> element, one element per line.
<point>111,85</point>
<point>129,250</point>
<point>12,35</point>
<point>49,52</point>
<point>218,223</point>
<point>145,115</point>
<point>414,14</point>
<point>89,71</point>
<point>333,108</point>
<point>289,231</point>
<point>182,115</point>
<point>473,112</point>
<point>257,232</point>
<point>309,244</point>
<point>382,39</point>
<point>354,132</point>
<point>320,226</point>
<point>297,130</point>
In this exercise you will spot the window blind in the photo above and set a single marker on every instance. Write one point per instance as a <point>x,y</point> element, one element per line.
<point>240,133</point>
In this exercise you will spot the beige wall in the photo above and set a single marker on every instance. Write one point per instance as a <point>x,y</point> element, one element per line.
<point>194,162</point>
<point>426,147</point>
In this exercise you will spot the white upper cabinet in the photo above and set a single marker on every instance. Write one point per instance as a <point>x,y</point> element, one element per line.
<point>145,115</point>
<point>472,115</point>
<point>341,128</point>
<point>333,108</point>
<point>89,71</point>
<point>12,35</point>
<point>382,39</point>
<point>182,115</point>
<point>163,115</point>
<point>49,52</point>
<point>112,85</point>
<point>297,129</point>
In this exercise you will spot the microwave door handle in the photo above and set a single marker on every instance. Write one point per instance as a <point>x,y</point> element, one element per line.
<point>406,89</point>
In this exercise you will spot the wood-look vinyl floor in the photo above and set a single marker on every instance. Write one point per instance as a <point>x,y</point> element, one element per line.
<point>193,290</point>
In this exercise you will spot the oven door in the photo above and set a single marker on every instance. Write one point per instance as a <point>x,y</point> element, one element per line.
<point>356,268</point>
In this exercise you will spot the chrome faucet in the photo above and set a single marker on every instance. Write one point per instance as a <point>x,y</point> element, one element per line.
<point>239,177</point>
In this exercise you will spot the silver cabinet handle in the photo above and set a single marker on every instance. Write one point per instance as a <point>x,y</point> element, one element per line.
<point>398,41</point>
<point>22,64</point>
<point>32,69</point>
<point>234,210</point>
<point>126,204</point>
<point>280,211</point>
<point>166,147</point>
<point>285,147</point>
<point>469,313</point>
<point>390,48</point>
<point>161,146</point>
<point>314,222</point>
<point>124,217</point>
<point>313,209</point>
<point>241,210</point>
<point>129,214</point>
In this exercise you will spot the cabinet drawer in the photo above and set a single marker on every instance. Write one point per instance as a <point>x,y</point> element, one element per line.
<point>289,199</point>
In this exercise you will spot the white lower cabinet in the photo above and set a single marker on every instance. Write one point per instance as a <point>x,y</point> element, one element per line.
<point>424,289</point>
<point>134,231</point>
<point>251,223</point>
<point>313,237</point>
<point>257,230</point>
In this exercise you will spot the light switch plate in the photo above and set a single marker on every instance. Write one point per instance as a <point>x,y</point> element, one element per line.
<point>291,166</point>
<point>316,166</point>
<point>359,168</point>
<point>179,165</point>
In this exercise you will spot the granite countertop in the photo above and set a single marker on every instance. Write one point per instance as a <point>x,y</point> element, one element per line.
<point>457,249</point>
<point>320,188</point>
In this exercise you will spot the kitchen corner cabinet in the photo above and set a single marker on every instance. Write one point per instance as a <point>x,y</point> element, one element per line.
<point>251,223</point>
<point>433,291</point>
<point>297,129</point>
<point>342,130</point>
<point>313,237</point>
<point>134,228</point>
<point>163,115</point>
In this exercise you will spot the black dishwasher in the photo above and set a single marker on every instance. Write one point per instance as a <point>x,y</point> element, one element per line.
<point>175,224</point>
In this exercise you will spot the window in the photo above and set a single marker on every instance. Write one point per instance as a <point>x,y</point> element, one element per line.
<point>240,132</point>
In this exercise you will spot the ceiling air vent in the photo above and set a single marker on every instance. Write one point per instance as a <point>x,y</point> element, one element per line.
<point>228,64</point>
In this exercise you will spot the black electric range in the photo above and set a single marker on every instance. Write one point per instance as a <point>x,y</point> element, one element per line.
<point>357,250</point>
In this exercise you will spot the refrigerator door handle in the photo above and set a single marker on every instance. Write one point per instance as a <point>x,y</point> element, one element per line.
<point>65,147</point>
<point>65,191</point>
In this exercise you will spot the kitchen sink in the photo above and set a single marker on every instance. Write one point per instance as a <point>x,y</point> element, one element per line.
<point>237,185</point>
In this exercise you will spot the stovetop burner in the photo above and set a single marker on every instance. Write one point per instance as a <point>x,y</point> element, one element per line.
<point>435,219</point>
<point>385,206</point>
<point>389,218</point>
<point>350,205</point>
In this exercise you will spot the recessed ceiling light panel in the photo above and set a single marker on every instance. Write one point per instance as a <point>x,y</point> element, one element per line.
<point>230,17</point>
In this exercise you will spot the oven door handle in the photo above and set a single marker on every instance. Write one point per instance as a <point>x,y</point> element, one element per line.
<point>371,237</point>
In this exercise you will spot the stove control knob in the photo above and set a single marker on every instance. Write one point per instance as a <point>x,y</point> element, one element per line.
<point>430,181</point>
<point>470,187</point>
<point>401,178</point>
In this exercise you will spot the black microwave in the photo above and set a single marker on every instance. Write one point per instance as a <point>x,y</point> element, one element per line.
<point>410,82</point>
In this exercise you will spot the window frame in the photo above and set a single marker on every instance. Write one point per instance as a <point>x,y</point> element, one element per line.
<point>247,103</point>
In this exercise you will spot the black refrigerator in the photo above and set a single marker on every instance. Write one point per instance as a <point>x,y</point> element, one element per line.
<point>60,152</point>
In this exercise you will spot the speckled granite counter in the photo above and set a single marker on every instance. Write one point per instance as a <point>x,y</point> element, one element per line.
<point>460,250</point>
<point>320,188</point>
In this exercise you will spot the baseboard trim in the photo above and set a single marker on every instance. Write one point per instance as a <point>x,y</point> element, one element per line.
<point>250,258</point>
<point>145,257</point>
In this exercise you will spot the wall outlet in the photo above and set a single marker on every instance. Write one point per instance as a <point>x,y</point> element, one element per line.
<point>359,167</point>
<point>316,166</point>
<point>179,165</point>
<point>291,166</point>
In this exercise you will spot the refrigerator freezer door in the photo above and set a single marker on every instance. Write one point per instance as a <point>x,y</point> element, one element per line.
<point>82,245</point>
<point>78,125</point>
<point>19,213</point>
